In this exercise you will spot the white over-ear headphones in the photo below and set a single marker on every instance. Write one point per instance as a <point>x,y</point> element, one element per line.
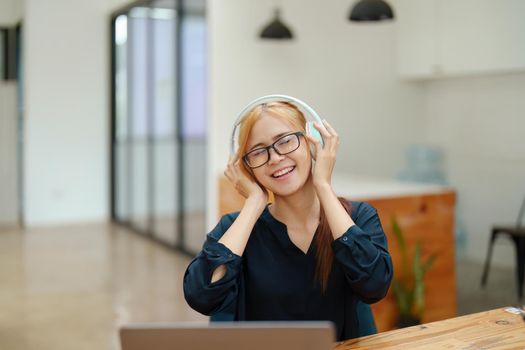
<point>308,112</point>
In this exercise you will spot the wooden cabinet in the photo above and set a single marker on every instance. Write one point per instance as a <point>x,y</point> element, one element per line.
<point>442,38</point>
<point>429,219</point>
<point>424,217</point>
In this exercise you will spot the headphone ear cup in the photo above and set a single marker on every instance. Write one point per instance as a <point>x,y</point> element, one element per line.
<point>312,131</point>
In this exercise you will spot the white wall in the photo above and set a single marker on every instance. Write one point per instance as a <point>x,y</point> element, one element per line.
<point>480,123</point>
<point>114,5</point>
<point>10,12</point>
<point>344,70</point>
<point>67,117</point>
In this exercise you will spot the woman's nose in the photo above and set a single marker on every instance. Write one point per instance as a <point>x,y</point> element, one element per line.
<point>274,156</point>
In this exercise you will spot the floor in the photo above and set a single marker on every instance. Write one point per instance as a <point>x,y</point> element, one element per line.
<point>70,287</point>
<point>501,288</point>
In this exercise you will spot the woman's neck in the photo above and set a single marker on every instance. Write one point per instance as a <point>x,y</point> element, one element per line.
<point>299,208</point>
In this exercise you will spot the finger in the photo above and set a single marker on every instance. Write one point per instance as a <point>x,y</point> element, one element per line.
<point>228,175</point>
<point>322,130</point>
<point>234,174</point>
<point>329,127</point>
<point>237,164</point>
<point>231,172</point>
<point>331,141</point>
<point>237,169</point>
<point>327,135</point>
<point>233,159</point>
<point>230,169</point>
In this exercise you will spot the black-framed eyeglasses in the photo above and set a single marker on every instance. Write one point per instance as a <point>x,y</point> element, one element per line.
<point>284,145</point>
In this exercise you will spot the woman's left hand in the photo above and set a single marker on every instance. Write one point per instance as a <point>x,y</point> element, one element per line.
<point>325,156</point>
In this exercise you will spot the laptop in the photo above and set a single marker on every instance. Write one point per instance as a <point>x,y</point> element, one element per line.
<point>229,336</point>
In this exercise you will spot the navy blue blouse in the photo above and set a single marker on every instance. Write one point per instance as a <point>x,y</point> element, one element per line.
<point>275,280</point>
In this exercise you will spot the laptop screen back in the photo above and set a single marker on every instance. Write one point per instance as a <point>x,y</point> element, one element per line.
<point>229,336</point>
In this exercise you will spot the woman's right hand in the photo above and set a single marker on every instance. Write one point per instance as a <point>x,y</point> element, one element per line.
<point>246,186</point>
<point>237,235</point>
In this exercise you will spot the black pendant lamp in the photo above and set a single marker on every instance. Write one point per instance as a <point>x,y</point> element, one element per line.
<point>371,10</point>
<point>276,29</point>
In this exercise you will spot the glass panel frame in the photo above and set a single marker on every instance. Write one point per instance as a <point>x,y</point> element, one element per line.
<point>153,160</point>
<point>3,53</point>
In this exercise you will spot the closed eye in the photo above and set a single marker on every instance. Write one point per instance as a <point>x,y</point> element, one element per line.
<point>257,152</point>
<point>285,140</point>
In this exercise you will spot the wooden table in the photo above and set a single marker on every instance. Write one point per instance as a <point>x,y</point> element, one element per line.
<point>495,329</point>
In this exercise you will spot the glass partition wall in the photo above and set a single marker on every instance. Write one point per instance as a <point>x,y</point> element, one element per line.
<point>158,121</point>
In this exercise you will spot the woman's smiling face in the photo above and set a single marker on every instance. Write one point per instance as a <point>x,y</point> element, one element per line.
<point>283,174</point>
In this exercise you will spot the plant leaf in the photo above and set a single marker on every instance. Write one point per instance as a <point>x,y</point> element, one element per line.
<point>403,298</point>
<point>419,287</point>
<point>396,230</point>
<point>428,263</point>
<point>398,234</point>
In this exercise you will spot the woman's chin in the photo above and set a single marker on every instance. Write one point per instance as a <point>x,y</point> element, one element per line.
<point>284,191</point>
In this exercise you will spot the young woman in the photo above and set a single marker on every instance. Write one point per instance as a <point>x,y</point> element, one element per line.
<point>309,255</point>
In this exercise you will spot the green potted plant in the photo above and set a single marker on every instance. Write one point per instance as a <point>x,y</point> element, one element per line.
<point>409,287</point>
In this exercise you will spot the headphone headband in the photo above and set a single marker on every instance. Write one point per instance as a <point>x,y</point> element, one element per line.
<point>301,105</point>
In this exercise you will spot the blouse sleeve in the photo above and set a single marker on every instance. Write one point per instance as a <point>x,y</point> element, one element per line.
<point>200,293</point>
<point>362,251</point>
